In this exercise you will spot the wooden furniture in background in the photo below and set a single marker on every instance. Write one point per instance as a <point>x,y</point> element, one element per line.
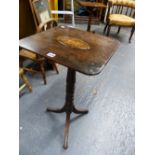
<point>25,81</point>
<point>26,22</point>
<point>92,8</point>
<point>121,13</point>
<point>84,18</point>
<point>26,54</point>
<point>41,13</point>
<point>64,12</point>
<point>76,50</point>
<point>43,21</point>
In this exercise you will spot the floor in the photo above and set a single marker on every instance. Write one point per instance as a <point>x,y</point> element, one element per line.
<point>108,128</point>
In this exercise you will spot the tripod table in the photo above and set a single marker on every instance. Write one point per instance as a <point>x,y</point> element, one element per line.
<point>92,7</point>
<point>78,50</point>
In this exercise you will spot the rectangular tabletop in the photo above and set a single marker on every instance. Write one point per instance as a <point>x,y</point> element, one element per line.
<point>80,50</point>
<point>92,4</point>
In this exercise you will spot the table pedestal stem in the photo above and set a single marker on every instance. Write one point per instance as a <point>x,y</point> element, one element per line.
<point>89,21</point>
<point>69,106</point>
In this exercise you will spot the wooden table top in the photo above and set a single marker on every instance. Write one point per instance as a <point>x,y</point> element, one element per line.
<point>92,4</point>
<point>82,51</point>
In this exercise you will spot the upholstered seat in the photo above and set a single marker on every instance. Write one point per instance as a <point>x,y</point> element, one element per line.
<point>120,13</point>
<point>122,20</point>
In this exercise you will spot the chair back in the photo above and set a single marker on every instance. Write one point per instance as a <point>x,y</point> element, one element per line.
<point>41,12</point>
<point>126,7</point>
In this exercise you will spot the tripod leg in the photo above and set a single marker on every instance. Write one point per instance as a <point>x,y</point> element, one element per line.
<point>66,130</point>
<point>56,110</point>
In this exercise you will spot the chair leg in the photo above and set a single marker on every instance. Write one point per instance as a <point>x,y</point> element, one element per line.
<point>56,68</point>
<point>21,62</point>
<point>105,28</point>
<point>109,27</point>
<point>43,71</point>
<point>119,28</point>
<point>132,31</point>
<point>23,77</point>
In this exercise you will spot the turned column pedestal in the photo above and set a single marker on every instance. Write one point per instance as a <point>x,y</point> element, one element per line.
<point>69,106</point>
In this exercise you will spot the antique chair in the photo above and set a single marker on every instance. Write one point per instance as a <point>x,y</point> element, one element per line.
<point>120,13</point>
<point>25,81</point>
<point>41,13</point>
<point>24,55</point>
<point>43,21</point>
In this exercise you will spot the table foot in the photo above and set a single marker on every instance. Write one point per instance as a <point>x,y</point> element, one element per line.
<point>66,131</point>
<point>80,111</point>
<point>56,110</point>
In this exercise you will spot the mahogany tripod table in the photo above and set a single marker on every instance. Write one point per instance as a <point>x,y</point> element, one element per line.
<point>91,7</point>
<point>78,50</point>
